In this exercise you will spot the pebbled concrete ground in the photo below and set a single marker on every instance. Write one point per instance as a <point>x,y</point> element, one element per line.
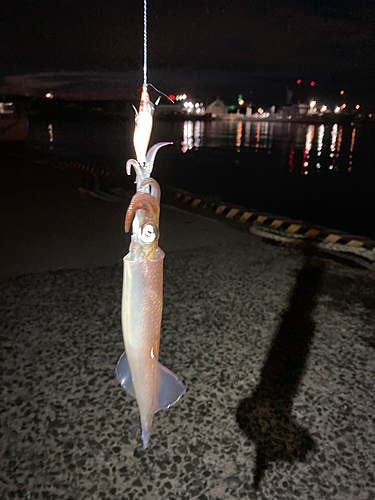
<point>275,346</point>
<point>276,349</point>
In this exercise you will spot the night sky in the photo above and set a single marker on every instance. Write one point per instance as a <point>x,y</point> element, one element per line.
<point>208,48</point>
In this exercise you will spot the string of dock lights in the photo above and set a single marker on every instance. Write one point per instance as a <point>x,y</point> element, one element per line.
<point>196,108</point>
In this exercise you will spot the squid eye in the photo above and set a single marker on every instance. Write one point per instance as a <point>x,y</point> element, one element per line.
<point>148,233</point>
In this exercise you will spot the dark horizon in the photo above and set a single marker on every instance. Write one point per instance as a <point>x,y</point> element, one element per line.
<point>210,48</point>
<point>259,90</point>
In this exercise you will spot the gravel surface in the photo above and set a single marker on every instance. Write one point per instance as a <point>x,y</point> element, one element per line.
<point>276,349</point>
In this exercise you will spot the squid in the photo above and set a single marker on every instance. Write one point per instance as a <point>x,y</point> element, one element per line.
<point>138,370</point>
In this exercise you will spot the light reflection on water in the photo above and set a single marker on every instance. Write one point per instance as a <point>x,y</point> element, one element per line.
<point>308,148</point>
<point>192,134</point>
<point>50,136</point>
<point>300,148</point>
<point>296,148</point>
<point>314,172</point>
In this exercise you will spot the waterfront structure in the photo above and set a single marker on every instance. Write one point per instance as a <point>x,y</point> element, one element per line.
<point>217,109</point>
<point>295,111</point>
<point>14,126</point>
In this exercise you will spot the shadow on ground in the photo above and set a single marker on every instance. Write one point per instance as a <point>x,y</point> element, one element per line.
<point>266,416</point>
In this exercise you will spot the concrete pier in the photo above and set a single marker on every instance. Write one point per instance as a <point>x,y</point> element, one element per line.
<point>275,346</point>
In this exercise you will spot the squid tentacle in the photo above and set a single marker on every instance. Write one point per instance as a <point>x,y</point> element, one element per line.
<point>151,154</point>
<point>143,172</point>
<point>135,165</point>
<point>155,188</point>
<point>141,201</point>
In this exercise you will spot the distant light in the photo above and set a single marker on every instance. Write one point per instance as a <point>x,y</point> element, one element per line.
<point>49,95</point>
<point>189,106</point>
<point>241,102</point>
<point>184,96</point>
<point>312,83</point>
<point>341,92</point>
<point>323,108</point>
<point>343,106</point>
<point>172,97</point>
<point>337,109</point>
<point>299,81</point>
<point>50,132</point>
<point>312,104</point>
<point>197,104</point>
<point>358,106</point>
<point>260,111</point>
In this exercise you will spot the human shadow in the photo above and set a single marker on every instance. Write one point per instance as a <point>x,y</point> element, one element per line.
<point>266,416</point>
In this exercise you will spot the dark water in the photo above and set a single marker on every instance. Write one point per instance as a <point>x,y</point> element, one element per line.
<point>324,174</point>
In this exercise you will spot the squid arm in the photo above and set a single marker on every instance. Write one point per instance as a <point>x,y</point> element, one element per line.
<point>144,171</point>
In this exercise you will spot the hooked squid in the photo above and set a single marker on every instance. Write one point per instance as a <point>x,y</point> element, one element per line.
<point>138,369</point>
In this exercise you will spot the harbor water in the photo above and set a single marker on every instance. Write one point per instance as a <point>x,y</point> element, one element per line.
<point>319,173</point>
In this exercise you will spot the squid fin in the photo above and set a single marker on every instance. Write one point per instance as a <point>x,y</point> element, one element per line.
<point>124,375</point>
<point>171,389</point>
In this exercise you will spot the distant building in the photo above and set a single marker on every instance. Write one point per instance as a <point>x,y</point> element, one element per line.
<point>217,108</point>
<point>295,111</point>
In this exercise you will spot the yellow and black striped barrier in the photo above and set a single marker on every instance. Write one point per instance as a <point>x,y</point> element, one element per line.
<point>86,168</point>
<point>275,223</point>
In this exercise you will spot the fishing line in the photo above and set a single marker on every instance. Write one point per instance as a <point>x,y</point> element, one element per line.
<point>145,42</point>
<point>160,92</point>
<point>145,53</point>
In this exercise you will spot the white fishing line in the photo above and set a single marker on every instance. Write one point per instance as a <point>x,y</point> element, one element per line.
<point>145,53</point>
<point>145,42</point>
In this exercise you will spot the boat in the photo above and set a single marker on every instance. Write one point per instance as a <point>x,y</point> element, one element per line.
<point>14,125</point>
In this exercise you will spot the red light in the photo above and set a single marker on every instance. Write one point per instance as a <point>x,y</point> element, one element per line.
<point>299,81</point>
<point>312,84</point>
<point>171,97</point>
